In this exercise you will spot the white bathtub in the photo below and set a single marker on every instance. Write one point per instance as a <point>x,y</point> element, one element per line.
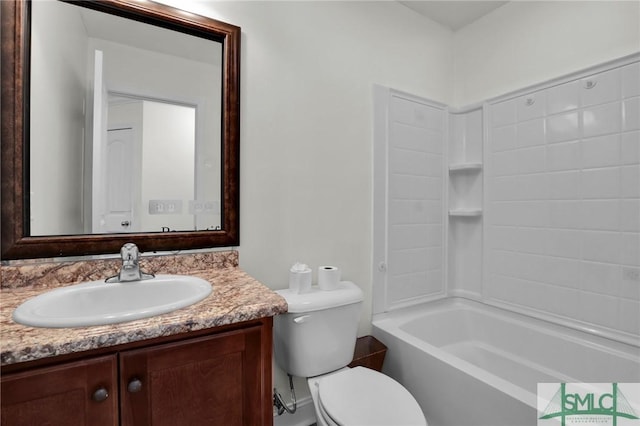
<point>468,363</point>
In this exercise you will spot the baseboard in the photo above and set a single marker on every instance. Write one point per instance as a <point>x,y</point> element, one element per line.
<point>304,416</point>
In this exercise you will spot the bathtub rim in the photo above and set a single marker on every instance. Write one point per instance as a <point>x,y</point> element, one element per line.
<point>554,321</point>
<point>574,324</point>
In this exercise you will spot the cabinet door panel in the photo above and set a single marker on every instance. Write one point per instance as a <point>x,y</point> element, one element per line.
<point>62,395</point>
<point>203,381</point>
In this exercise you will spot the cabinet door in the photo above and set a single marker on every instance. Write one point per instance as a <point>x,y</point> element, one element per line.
<point>72,394</point>
<point>215,380</point>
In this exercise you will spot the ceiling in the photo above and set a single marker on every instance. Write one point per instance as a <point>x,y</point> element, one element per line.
<point>453,14</point>
<point>147,37</point>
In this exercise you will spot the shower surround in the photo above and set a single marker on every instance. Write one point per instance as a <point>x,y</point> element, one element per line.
<point>528,204</point>
<point>529,201</point>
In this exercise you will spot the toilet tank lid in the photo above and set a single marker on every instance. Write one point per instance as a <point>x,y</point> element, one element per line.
<point>315,300</point>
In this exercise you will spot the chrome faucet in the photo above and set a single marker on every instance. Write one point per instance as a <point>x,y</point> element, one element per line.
<point>130,270</point>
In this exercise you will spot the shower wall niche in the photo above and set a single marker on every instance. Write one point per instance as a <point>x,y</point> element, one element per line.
<point>465,169</point>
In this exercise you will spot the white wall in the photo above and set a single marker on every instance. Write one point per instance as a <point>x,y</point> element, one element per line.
<point>168,166</point>
<point>58,81</point>
<point>528,42</point>
<point>308,70</point>
<point>306,138</point>
<point>307,75</point>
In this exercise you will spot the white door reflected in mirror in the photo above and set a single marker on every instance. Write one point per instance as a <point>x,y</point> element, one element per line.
<point>121,185</point>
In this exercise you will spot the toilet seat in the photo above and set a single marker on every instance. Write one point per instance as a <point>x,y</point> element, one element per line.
<point>360,396</point>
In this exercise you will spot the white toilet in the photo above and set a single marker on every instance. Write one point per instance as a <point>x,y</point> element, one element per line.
<point>316,339</point>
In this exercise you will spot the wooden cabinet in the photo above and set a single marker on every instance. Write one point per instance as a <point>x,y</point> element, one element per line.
<point>72,394</point>
<point>216,379</point>
<point>212,380</point>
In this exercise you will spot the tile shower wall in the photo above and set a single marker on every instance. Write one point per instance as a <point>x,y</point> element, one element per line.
<point>562,225</point>
<point>415,179</point>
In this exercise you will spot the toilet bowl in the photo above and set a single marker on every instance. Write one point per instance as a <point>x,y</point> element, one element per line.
<point>363,397</point>
<point>316,339</point>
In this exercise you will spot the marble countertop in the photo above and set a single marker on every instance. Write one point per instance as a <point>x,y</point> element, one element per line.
<point>236,297</point>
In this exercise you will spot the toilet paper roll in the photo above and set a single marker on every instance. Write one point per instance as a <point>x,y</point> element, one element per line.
<point>328,277</point>
<point>300,278</point>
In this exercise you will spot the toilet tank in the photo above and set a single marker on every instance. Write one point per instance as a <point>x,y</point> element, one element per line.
<point>318,333</point>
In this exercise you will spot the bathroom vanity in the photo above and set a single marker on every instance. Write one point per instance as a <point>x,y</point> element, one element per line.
<point>209,363</point>
<point>222,377</point>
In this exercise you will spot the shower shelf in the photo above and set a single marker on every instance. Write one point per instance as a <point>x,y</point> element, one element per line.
<point>459,167</point>
<point>465,212</point>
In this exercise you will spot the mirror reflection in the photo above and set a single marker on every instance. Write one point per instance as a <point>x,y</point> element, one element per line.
<point>125,125</point>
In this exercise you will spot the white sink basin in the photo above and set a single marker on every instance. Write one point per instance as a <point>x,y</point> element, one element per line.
<point>98,303</point>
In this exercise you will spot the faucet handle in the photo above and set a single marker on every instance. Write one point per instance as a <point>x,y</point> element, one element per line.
<point>130,270</point>
<point>129,251</point>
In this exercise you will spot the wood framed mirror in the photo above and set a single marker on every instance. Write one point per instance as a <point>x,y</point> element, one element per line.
<point>20,239</point>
